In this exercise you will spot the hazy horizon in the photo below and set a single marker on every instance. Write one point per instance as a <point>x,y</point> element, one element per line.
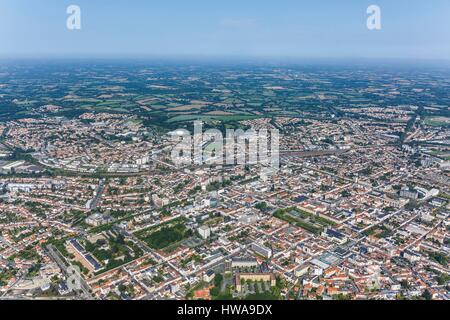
<point>411,30</point>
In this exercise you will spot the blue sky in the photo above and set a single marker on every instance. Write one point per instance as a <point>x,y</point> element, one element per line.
<point>284,28</point>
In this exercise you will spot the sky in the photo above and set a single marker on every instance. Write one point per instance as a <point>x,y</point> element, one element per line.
<point>411,29</point>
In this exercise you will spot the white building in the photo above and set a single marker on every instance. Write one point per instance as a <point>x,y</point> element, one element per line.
<point>262,250</point>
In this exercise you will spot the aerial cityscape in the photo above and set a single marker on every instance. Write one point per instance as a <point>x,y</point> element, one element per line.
<point>105,195</point>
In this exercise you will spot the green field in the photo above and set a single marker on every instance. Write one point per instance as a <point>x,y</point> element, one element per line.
<point>230,118</point>
<point>164,235</point>
<point>438,121</point>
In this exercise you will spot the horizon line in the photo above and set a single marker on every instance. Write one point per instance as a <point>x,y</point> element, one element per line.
<point>217,57</point>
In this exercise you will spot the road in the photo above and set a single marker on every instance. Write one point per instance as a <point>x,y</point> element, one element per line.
<point>84,286</point>
<point>98,194</point>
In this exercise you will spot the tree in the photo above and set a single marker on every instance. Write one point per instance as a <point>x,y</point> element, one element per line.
<point>215,291</point>
<point>261,206</point>
<point>404,283</point>
<point>427,295</point>
<point>218,279</point>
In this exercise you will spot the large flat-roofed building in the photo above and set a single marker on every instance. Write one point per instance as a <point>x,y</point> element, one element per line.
<point>98,219</point>
<point>244,262</point>
<point>85,258</point>
<point>334,235</point>
<point>204,232</point>
<point>209,276</point>
<point>261,250</point>
<point>8,167</point>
